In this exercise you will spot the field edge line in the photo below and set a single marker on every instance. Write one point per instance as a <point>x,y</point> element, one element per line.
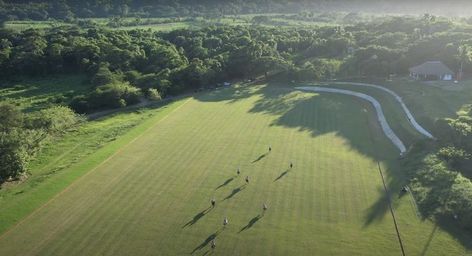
<point>74,181</point>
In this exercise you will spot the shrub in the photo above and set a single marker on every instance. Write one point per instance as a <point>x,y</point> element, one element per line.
<point>153,94</point>
<point>16,149</point>
<point>132,76</point>
<point>104,75</point>
<point>10,117</point>
<point>453,156</point>
<point>114,95</point>
<point>80,104</point>
<point>459,203</point>
<point>53,120</point>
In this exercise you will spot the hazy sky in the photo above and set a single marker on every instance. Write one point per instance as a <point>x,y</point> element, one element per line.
<point>444,7</point>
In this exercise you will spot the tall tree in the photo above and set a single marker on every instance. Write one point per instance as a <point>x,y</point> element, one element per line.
<point>464,55</point>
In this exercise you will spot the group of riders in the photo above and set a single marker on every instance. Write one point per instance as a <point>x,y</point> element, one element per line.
<point>225,220</point>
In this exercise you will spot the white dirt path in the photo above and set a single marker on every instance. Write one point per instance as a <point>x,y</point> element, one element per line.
<point>378,109</point>
<point>410,117</point>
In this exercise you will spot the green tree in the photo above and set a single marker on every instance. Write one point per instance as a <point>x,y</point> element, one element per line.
<point>16,149</point>
<point>459,203</point>
<point>104,75</point>
<point>114,95</point>
<point>464,56</point>
<point>10,117</point>
<point>54,120</point>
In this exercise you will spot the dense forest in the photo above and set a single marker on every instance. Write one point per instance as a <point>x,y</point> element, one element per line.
<point>70,9</point>
<point>127,66</point>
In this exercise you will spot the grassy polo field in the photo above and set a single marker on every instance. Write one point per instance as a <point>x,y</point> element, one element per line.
<point>152,195</point>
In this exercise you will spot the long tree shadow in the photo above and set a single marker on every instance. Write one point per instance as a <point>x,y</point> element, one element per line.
<point>197,217</point>
<point>231,95</point>
<point>234,192</point>
<point>282,175</point>
<point>394,184</point>
<point>225,183</point>
<point>377,211</point>
<point>428,242</point>
<point>251,223</point>
<point>259,158</point>
<point>460,234</point>
<point>205,243</point>
<point>349,118</point>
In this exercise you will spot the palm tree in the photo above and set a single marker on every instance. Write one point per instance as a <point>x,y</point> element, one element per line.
<point>464,55</point>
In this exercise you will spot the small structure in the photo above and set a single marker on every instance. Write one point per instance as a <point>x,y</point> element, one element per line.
<point>432,70</point>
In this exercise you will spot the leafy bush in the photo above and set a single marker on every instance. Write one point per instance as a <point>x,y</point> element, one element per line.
<point>113,95</point>
<point>21,135</point>
<point>16,149</point>
<point>53,120</point>
<point>80,104</point>
<point>10,117</point>
<point>453,156</point>
<point>153,94</point>
<point>104,75</point>
<point>459,202</point>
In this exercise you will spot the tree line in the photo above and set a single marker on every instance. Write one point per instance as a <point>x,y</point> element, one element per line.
<point>72,9</point>
<point>126,65</point>
<point>441,172</point>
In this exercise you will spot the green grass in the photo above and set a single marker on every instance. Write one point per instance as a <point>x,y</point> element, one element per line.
<point>152,196</point>
<point>429,103</point>
<point>393,111</point>
<point>24,25</point>
<point>234,20</point>
<point>34,94</point>
<point>67,158</point>
<point>160,27</point>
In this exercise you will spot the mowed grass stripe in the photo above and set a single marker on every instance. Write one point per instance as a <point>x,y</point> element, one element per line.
<point>80,227</point>
<point>194,150</point>
<point>13,214</point>
<point>171,182</point>
<point>128,138</point>
<point>207,167</point>
<point>119,188</point>
<point>112,194</point>
<point>130,197</point>
<point>318,208</point>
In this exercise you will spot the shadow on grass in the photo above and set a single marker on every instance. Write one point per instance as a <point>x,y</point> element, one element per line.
<point>251,223</point>
<point>41,91</point>
<point>234,192</point>
<point>197,217</point>
<point>259,158</point>
<point>330,114</point>
<point>225,183</point>
<point>450,226</point>
<point>205,243</point>
<point>376,211</point>
<point>430,238</point>
<point>317,114</point>
<point>282,175</point>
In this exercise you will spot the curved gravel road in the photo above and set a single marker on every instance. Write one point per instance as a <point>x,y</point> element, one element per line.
<point>412,120</point>
<point>378,109</point>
